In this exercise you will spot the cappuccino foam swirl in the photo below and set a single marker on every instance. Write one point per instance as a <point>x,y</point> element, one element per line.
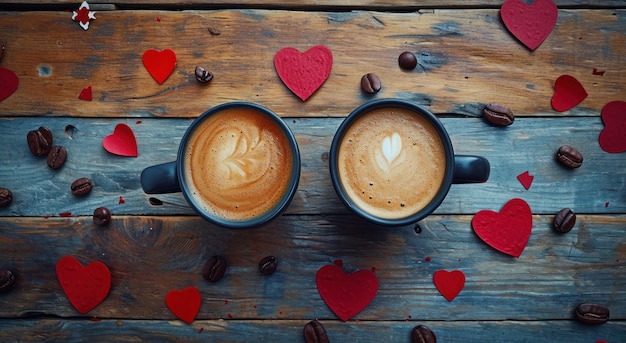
<point>391,162</point>
<point>238,164</point>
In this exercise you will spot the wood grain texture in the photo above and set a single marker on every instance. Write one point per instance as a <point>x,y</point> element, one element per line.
<point>291,331</point>
<point>466,57</point>
<point>527,145</point>
<point>149,256</point>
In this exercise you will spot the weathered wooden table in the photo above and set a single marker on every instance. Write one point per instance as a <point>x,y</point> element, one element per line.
<point>156,244</point>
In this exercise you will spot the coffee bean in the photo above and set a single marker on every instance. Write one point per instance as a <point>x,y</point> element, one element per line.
<point>214,268</point>
<point>81,186</point>
<point>5,197</point>
<point>593,314</point>
<point>422,334</point>
<point>1,51</point>
<point>407,60</point>
<point>314,332</point>
<point>203,75</point>
<point>39,141</point>
<point>57,157</point>
<point>267,265</point>
<point>498,115</point>
<point>101,216</point>
<point>569,156</point>
<point>370,83</point>
<point>564,220</point>
<point>7,281</point>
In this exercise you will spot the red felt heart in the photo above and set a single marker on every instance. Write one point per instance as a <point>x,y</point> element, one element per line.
<point>612,138</point>
<point>346,294</point>
<point>160,64</point>
<point>8,83</point>
<point>507,231</point>
<point>530,24</point>
<point>303,72</point>
<point>86,94</point>
<point>184,304</point>
<point>568,92</point>
<point>85,287</point>
<point>448,283</point>
<point>122,142</point>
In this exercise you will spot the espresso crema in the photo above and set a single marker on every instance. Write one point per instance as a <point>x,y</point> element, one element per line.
<point>391,162</point>
<point>238,164</point>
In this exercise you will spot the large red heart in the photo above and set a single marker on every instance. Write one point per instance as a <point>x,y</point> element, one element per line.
<point>346,294</point>
<point>530,24</point>
<point>568,92</point>
<point>184,304</point>
<point>8,83</point>
<point>507,231</point>
<point>612,138</point>
<point>122,142</point>
<point>85,287</point>
<point>160,64</point>
<point>448,283</point>
<point>303,72</point>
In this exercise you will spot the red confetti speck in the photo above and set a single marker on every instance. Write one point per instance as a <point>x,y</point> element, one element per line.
<point>254,306</point>
<point>230,316</point>
<point>158,19</point>
<point>373,269</point>
<point>598,72</point>
<point>427,259</point>
<point>122,200</point>
<point>601,341</point>
<point>200,330</point>
<point>138,122</point>
<point>226,301</point>
<point>65,214</point>
<point>338,263</point>
<point>281,313</point>
<point>95,319</point>
<point>580,37</point>
<point>606,204</point>
<point>525,179</point>
<point>409,316</point>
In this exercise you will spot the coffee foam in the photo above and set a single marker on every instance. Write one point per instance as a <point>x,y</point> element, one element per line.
<point>391,162</point>
<point>238,164</point>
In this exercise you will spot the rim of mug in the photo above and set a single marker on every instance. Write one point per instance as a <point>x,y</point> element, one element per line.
<point>294,177</point>
<point>443,135</point>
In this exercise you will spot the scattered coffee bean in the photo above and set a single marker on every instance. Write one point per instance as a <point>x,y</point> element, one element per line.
<point>370,83</point>
<point>407,60</point>
<point>81,186</point>
<point>214,268</point>
<point>57,157</point>
<point>314,332</point>
<point>214,31</point>
<point>592,314</point>
<point>1,51</point>
<point>498,115</point>
<point>7,281</point>
<point>564,220</point>
<point>203,75</point>
<point>39,141</point>
<point>101,216</point>
<point>5,197</point>
<point>422,334</point>
<point>267,265</point>
<point>569,156</point>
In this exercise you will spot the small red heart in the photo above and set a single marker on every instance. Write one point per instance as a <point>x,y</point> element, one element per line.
<point>568,92</point>
<point>160,64</point>
<point>448,283</point>
<point>86,94</point>
<point>184,304</point>
<point>303,72</point>
<point>507,231</point>
<point>525,179</point>
<point>122,142</point>
<point>531,24</point>
<point>612,138</point>
<point>8,83</point>
<point>346,294</point>
<point>85,287</point>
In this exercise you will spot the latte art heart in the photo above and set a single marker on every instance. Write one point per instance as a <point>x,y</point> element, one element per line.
<point>391,147</point>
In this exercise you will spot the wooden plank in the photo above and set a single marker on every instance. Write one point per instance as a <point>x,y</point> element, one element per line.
<point>149,256</point>
<point>291,331</point>
<point>466,57</point>
<point>325,4</point>
<point>527,145</point>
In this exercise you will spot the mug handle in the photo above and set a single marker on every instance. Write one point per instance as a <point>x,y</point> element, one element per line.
<point>470,169</point>
<point>160,179</point>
